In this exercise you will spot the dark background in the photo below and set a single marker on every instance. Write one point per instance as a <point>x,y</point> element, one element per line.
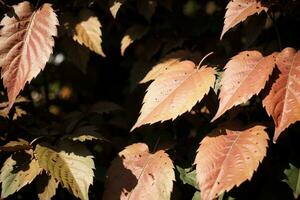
<point>63,89</point>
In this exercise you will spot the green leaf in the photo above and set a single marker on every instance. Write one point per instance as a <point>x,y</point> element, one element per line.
<point>72,167</point>
<point>293,179</point>
<point>188,176</point>
<point>18,170</point>
<point>196,196</point>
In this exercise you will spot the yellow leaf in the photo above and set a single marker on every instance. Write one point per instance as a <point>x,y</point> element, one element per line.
<point>47,187</point>
<point>132,34</point>
<point>18,170</point>
<point>88,32</point>
<point>73,170</point>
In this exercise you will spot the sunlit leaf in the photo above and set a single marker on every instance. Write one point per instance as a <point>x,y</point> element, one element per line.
<point>283,100</point>
<point>228,157</point>
<point>47,186</point>
<point>134,33</point>
<point>138,174</point>
<point>88,31</point>
<point>239,10</point>
<point>175,92</point>
<point>114,6</point>
<point>240,81</point>
<point>25,45</point>
<point>73,169</point>
<point>18,170</point>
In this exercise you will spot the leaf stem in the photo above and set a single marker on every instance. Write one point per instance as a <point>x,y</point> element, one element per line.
<point>198,66</point>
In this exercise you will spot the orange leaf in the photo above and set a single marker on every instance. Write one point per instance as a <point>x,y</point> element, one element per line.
<point>26,43</point>
<point>165,64</point>
<point>175,92</point>
<point>239,10</point>
<point>245,75</point>
<point>283,100</point>
<point>228,157</point>
<point>138,174</point>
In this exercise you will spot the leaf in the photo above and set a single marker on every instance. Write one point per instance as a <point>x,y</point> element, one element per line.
<point>87,31</point>
<point>47,186</point>
<point>74,50</point>
<point>159,68</point>
<point>138,174</point>
<point>4,108</point>
<point>132,34</point>
<point>239,10</point>
<point>293,179</point>
<point>228,157</point>
<point>188,176</point>
<point>196,196</point>
<point>283,100</point>
<point>166,63</point>
<point>114,6</point>
<point>104,107</point>
<point>25,45</point>
<point>16,145</point>
<point>146,8</point>
<point>175,92</point>
<point>18,170</point>
<point>73,169</point>
<point>19,112</point>
<point>240,81</point>
<point>85,133</point>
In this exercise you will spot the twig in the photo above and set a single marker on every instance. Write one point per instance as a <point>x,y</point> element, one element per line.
<point>199,65</point>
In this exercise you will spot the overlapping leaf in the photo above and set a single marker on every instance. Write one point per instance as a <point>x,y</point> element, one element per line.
<point>18,170</point>
<point>239,10</point>
<point>138,174</point>
<point>114,6</point>
<point>73,171</point>
<point>134,33</point>
<point>47,186</point>
<point>283,100</point>
<point>87,31</point>
<point>228,157</point>
<point>25,45</point>
<point>175,92</point>
<point>240,81</point>
<point>165,64</point>
<point>18,145</point>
